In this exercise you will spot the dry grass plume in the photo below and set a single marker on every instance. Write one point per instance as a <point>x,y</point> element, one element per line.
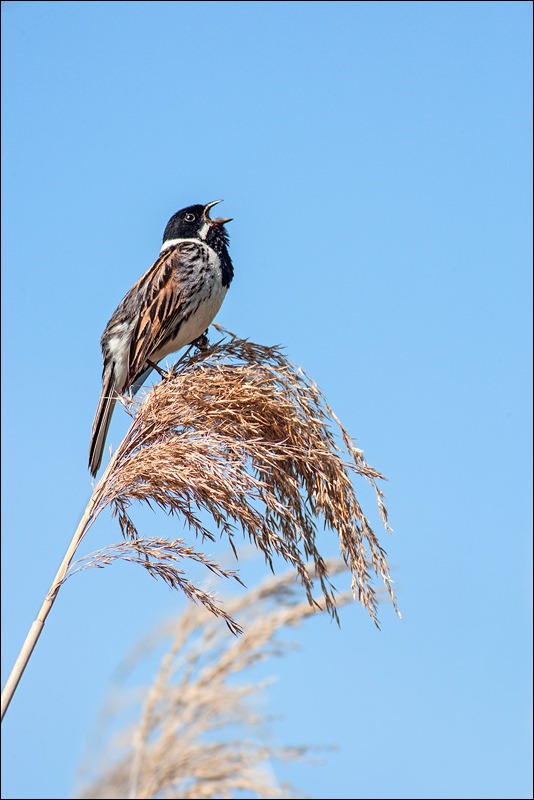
<point>237,433</point>
<point>198,730</point>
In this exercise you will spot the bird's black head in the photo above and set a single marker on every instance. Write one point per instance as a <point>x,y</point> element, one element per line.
<point>194,222</point>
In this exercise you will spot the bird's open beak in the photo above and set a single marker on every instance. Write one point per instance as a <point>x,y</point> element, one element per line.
<point>217,220</point>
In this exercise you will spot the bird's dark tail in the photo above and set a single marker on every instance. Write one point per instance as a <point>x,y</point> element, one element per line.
<point>101,423</point>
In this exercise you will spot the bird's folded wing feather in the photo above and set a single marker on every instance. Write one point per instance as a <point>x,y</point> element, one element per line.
<point>159,303</point>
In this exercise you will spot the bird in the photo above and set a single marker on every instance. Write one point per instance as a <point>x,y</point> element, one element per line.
<point>171,306</point>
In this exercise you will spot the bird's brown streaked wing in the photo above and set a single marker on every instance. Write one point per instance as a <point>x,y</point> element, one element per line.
<point>159,305</point>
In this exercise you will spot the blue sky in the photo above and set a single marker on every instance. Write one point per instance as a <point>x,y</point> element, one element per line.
<point>376,159</point>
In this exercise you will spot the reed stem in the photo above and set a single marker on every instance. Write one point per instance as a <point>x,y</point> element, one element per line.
<point>38,624</point>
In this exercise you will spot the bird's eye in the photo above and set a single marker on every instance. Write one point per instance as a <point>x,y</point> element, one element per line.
<point>189,217</point>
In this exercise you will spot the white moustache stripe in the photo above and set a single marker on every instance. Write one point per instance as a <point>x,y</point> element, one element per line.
<point>203,232</point>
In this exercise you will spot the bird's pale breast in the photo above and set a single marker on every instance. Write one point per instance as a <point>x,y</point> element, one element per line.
<point>202,294</point>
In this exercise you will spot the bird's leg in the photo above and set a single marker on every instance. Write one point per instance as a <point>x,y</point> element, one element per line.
<point>202,342</point>
<point>158,369</point>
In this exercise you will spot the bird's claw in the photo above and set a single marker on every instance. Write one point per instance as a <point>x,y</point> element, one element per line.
<point>202,342</point>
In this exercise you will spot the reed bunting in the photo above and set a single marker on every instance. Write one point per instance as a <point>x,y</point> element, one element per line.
<point>171,306</point>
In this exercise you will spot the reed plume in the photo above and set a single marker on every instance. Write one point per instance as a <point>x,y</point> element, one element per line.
<point>239,435</point>
<point>198,730</point>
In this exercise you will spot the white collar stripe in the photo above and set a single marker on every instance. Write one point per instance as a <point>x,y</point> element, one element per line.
<point>172,242</point>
